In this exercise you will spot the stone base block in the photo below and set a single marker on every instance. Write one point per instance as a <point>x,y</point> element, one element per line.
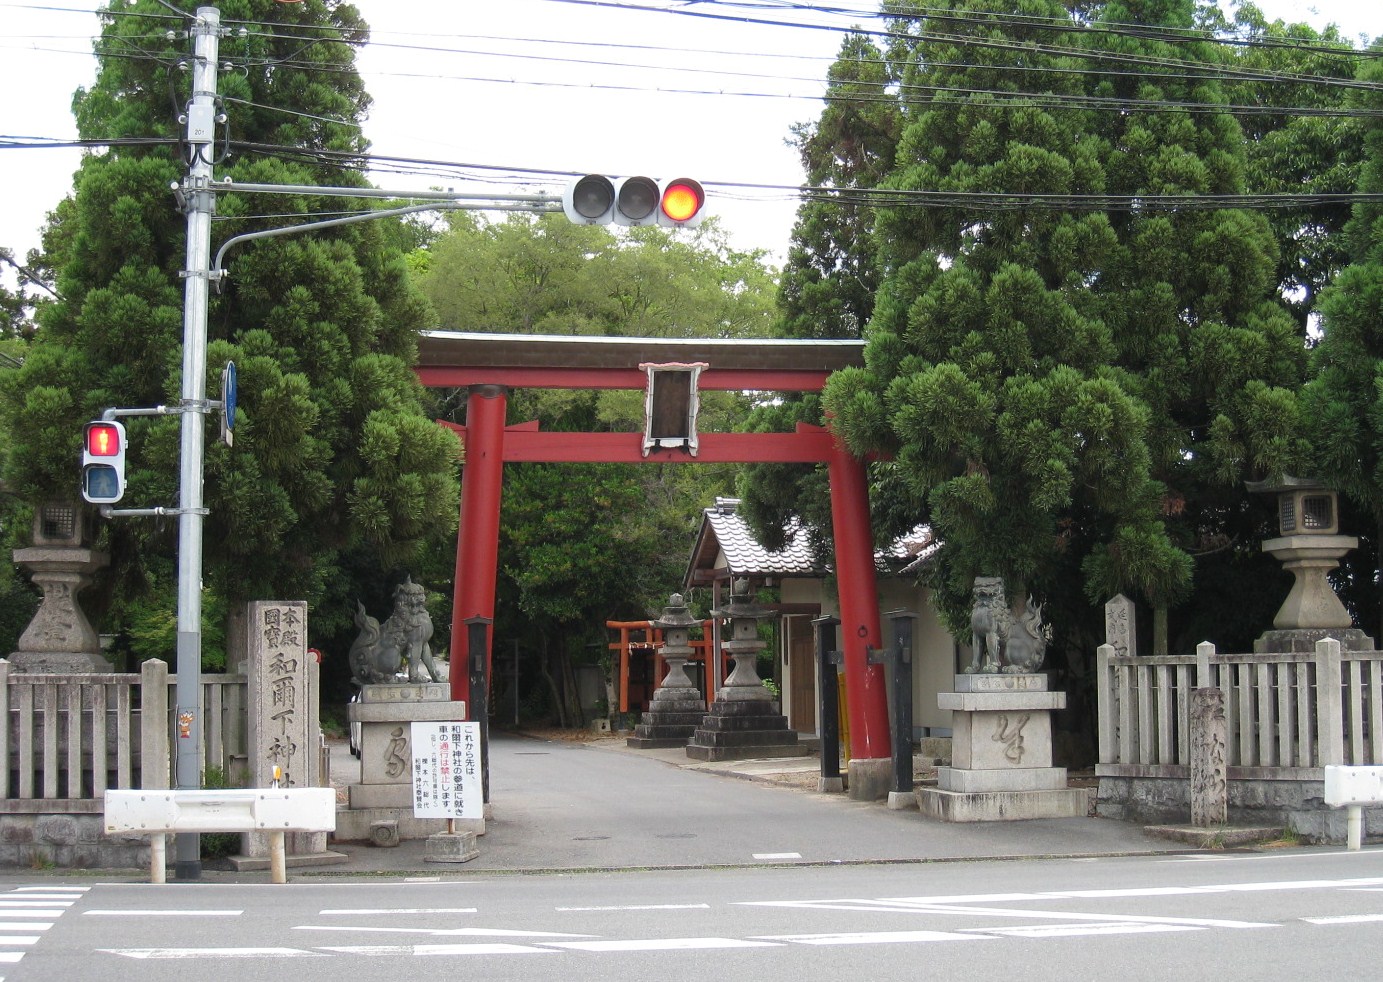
<point>753,752</point>
<point>1002,806</point>
<point>1017,779</point>
<point>831,785</point>
<point>380,796</point>
<point>869,778</point>
<point>450,847</point>
<point>324,858</point>
<point>902,800</point>
<point>653,742</point>
<point>353,824</point>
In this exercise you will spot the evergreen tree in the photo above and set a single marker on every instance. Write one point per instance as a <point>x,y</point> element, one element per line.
<point>1055,384</point>
<point>1343,402</point>
<point>338,475</point>
<point>828,286</point>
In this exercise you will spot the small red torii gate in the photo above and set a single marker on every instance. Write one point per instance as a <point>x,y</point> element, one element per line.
<point>488,365</point>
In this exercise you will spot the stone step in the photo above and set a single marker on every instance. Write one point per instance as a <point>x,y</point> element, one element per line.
<point>744,738</point>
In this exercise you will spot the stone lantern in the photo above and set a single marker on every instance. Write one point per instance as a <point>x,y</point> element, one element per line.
<point>60,638</point>
<point>676,708</point>
<point>1309,546</point>
<point>744,644</point>
<point>744,721</point>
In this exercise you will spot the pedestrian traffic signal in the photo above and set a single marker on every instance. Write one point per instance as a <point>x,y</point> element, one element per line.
<point>103,462</point>
<point>597,200</point>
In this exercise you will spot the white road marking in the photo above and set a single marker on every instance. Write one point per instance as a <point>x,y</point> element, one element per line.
<point>1345,919</point>
<point>1064,915</point>
<point>777,855</point>
<point>1079,930</point>
<point>399,910</point>
<point>663,944</point>
<point>467,932</point>
<point>629,907</point>
<point>440,949</point>
<point>31,909</point>
<point>132,912</point>
<point>152,953</point>
<point>872,937</point>
<point>37,902</point>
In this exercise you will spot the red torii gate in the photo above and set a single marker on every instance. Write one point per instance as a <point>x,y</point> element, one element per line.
<point>488,365</point>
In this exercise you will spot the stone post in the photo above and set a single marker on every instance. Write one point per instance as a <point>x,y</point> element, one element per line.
<point>1209,758</point>
<point>1120,625</point>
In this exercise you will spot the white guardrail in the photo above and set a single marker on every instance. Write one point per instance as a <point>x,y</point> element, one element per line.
<point>1353,788</point>
<point>157,813</point>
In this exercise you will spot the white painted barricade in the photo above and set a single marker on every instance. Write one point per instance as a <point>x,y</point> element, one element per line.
<point>157,813</point>
<point>1352,788</point>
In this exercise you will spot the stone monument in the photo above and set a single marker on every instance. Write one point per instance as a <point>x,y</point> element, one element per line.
<point>676,708</point>
<point>744,722</point>
<point>387,662</point>
<point>1001,732</point>
<point>60,639</point>
<point>284,725</point>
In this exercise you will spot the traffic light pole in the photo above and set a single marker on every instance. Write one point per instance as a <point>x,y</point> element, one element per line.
<point>197,192</point>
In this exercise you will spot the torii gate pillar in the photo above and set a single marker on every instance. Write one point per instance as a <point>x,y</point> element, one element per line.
<point>866,691</point>
<point>478,536</point>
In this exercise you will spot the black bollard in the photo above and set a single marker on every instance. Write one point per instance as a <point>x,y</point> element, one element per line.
<point>903,622</point>
<point>477,643</point>
<point>828,708</point>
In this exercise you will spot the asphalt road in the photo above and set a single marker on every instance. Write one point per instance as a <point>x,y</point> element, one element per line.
<point>1286,915</point>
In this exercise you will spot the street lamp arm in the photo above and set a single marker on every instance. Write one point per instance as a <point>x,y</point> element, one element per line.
<point>531,203</point>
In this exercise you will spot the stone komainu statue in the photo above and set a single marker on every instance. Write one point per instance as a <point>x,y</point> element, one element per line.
<point>1000,640</point>
<point>381,650</point>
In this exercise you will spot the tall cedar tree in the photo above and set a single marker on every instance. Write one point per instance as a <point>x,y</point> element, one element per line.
<point>828,285</point>
<point>1049,382</point>
<point>1343,402</point>
<point>337,475</point>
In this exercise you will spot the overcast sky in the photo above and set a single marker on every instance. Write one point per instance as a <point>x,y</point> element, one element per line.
<point>551,85</point>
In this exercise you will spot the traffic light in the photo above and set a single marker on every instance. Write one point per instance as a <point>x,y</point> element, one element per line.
<point>597,200</point>
<point>103,462</point>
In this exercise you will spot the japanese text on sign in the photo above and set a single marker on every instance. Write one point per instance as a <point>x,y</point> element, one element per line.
<point>446,770</point>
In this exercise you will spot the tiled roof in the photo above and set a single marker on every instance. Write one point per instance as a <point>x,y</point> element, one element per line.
<point>745,554</point>
<point>723,530</point>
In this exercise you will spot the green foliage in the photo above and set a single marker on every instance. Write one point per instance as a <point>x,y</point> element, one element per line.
<point>1071,399</point>
<point>1343,403</point>
<point>337,476</point>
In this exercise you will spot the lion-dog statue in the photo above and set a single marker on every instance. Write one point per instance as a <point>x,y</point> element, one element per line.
<point>381,650</point>
<point>1001,641</point>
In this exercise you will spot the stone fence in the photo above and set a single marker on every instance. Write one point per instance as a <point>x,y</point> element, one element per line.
<point>70,737</point>
<point>1288,715</point>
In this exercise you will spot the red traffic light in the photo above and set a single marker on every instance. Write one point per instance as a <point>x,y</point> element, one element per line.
<point>682,200</point>
<point>104,439</point>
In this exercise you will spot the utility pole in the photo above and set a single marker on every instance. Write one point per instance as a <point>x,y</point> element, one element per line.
<point>200,205</point>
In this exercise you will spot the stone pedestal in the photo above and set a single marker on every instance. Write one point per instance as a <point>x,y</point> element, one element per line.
<point>1001,754</point>
<point>450,847</point>
<point>744,729</point>
<point>385,792</point>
